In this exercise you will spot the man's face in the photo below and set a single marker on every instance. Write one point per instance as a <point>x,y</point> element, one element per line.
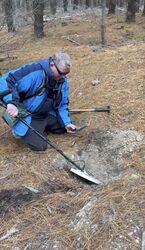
<point>59,72</point>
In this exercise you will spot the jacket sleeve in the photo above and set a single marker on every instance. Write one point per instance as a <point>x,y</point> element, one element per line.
<point>63,107</point>
<point>16,76</point>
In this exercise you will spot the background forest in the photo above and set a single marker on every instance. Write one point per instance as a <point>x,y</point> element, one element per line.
<point>16,13</point>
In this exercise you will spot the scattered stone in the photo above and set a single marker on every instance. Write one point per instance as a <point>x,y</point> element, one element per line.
<point>9,233</point>
<point>95,82</point>
<point>132,177</point>
<point>119,27</point>
<point>82,218</point>
<point>31,189</point>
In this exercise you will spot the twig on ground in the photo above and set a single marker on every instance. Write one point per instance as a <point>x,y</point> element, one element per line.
<point>31,189</point>
<point>5,132</point>
<point>7,57</point>
<point>73,41</point>
<point>9,233</point>
<point>4,177</point>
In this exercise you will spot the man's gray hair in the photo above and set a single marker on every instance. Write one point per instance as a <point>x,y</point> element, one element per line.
<point>61,58</point>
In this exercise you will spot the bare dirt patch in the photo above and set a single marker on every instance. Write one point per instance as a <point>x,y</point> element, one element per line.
<point>107,149</point>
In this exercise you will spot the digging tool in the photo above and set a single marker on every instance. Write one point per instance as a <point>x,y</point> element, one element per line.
<point>81,128</point>
<point>103,109</point>
<point>80,171</point>
<point>5,92</point>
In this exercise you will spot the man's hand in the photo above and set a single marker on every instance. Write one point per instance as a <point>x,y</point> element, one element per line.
<point>71,128</point>
<point>12,110</point>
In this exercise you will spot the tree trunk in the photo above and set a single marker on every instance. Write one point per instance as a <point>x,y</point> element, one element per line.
<point>111,6</point>
<point>121,3</point>
<point>131,10</point>
<point>99,3</point>
<point>27,2</point>
<point>53,6</point>
<point>103,41</point>
<point>81,2</point>
<point>38,8</point>
<point>18,4</point>
<point>65,5</point>
<point>88,4</point>
<point>94,3</point>
<point>9,15</point>
<point>137,5</point>
<point>75,6</point>
<point>143,13</point>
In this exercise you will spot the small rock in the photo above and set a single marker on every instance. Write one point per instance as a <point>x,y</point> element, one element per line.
<point>131,177</point>
<point>95,82</point>
<point>119,27</point>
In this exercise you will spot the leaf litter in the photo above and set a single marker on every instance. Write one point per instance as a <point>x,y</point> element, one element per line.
<point>111,216</point>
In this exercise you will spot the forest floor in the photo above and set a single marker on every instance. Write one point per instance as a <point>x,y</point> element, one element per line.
<point>67,212</point>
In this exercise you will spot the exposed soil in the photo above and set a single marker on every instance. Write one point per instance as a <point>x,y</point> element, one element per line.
<point>67,212</point>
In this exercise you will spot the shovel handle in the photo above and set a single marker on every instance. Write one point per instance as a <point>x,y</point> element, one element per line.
<point>103,109</point>
<point>5,92</point>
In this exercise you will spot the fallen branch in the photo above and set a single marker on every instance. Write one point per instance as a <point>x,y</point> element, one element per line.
<point>73,41</point>
<point>4,177</point>
<point>31,189</point>
<point>7,58</point>
<point>5,132</point>
<point>9,233</point>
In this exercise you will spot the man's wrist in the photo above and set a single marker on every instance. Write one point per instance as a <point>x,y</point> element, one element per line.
<point>12,102</point>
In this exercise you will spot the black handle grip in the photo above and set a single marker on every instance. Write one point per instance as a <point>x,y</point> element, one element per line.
<point>105,109</point>
<point>5,92</point>
<point>2,104</point>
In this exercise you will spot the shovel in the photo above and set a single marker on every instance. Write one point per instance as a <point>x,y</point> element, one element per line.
<point>101,109</point>
<point>80,171</point>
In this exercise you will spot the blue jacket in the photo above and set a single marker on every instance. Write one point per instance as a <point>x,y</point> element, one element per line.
<point>30,85</point>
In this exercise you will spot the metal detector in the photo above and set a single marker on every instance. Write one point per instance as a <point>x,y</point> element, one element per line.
<point>80,171</point>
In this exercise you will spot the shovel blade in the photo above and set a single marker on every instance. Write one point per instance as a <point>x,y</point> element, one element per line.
<point>85,175</point>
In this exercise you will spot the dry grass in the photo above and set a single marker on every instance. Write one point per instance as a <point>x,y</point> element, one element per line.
<point>119,207</point>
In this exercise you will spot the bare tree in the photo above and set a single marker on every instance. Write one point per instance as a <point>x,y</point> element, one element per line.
<point>131,10</point>
<point>121,3</point>
<point>103,23</point>
<point>28,5</point>
<point>88,3</point>
<point>111,6</point>
<point>96,3</point>
<point>143,13</point>
<point>53,6</point>
<point>75,4</point>
<point>65,5</point>
<point>137,5</point>
<point>38,9</point>
<point>8,8</point>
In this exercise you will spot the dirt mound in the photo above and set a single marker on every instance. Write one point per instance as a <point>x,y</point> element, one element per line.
<point>107,149</point>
